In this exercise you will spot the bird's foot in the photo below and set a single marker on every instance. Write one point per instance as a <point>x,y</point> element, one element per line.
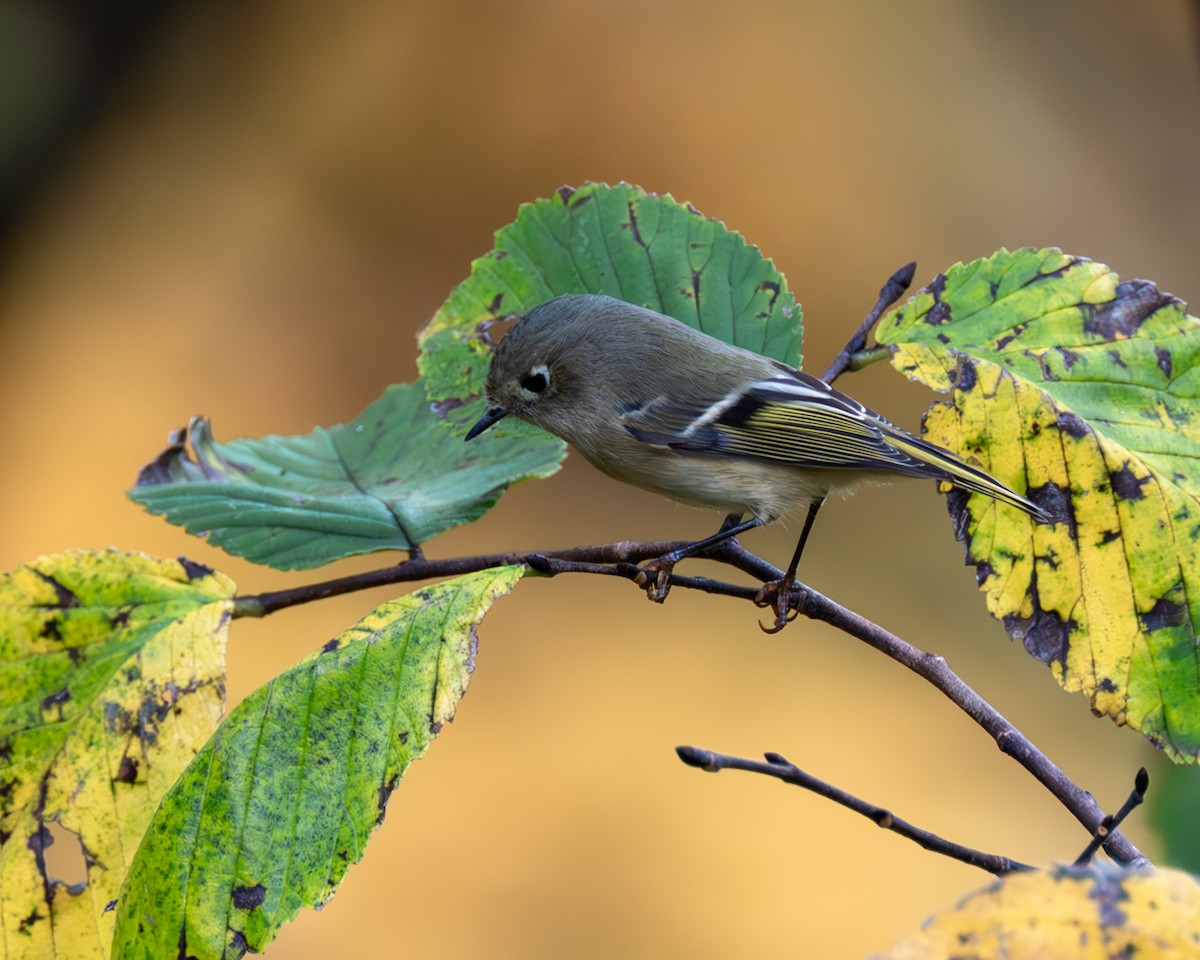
<point>655,578</point>
<point>777,594</point>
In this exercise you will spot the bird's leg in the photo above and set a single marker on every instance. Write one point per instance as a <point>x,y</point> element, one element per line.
<point>778,593</point>
<point>658,587</point>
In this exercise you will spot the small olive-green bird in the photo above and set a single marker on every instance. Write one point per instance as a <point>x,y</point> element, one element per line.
<point>658,404</point>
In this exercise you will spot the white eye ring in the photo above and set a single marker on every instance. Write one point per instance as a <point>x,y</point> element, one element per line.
<point>537,380</point>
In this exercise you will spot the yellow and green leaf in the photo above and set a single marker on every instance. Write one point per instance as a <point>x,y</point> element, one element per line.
<point>282,799</point>
<point>1100,912</point>
<point>112,676</point>
<point>1083,393</point>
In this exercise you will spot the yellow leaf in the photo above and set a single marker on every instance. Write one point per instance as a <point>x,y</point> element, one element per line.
<point>1094,913</point>
<point>111,678</point>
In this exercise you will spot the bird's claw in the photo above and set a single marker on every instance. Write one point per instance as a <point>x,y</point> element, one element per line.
<point>777,594</point>
<point>655,578</point>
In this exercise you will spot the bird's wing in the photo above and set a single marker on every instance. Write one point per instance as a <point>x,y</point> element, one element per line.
<point>792,417</point>
<point>795,418</point>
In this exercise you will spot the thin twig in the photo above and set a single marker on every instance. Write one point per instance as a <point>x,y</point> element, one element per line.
<point>781,769</point>
<point>1141,783</point>
<point>892,291</point>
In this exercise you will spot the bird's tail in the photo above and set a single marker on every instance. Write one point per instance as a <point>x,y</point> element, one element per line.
<point>943,465</point>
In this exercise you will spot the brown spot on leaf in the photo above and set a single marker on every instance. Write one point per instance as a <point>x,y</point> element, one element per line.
<point>1044,634</point>
<point>40,840</point>
<point>441,408</point>
<point>771,289</point>
<point>1108,893</point>
<point>385,792</point>
<point>1126,484</point>
<point>1119,318</point>
<point>963,376</point>
<point>330,646</point>
<point>56,699</point>
<point>237,945</point>
<point>247,898</point>
<point>28,922</point>
<point>565,193</point>
<point>193,570</point>
<point>1069,357</point>
<point>1054,500</point>
<point>1164,362</point>
<point>127,771</point>
<point>1008,338</point>
<point>1072,425</point>
<point>117,718</point>
<point>939,313</point>
<point>633,226</point>
<point>1165,613</point>
<point>64,598</point>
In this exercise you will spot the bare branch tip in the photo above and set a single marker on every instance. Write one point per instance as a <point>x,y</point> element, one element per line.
<point>701,759</point>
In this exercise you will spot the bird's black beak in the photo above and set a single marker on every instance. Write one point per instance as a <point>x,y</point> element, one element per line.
<point>490,416</point>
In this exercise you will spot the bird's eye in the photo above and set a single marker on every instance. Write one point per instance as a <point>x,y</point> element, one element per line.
<point>537,381</point>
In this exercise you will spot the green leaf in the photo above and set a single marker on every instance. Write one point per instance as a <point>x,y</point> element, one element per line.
<point>112,675</point>
<point>1083,392</point>
<point>1172,804</point>
<point>645,249</point>
<point>267,818</point>
<point>390,479</point>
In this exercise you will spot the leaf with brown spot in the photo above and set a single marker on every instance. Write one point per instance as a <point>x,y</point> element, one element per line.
<point>1101,912</point>
<point>112,675</point>
<point>1083,393</point>
<point>616,240</point>
<point>282,799</point>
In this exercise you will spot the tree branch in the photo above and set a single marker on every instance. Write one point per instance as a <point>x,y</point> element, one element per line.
<point>421,568</point>
<point>892,291</point>
<point>780,768</point>
<point>1141,783</point>
<point>621,560</point>
<point>1008,738</point>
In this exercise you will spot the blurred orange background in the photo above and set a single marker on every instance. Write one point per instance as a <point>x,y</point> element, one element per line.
<point>276,197</point>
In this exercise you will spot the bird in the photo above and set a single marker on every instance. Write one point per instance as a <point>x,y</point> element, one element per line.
<point>661,405</point>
